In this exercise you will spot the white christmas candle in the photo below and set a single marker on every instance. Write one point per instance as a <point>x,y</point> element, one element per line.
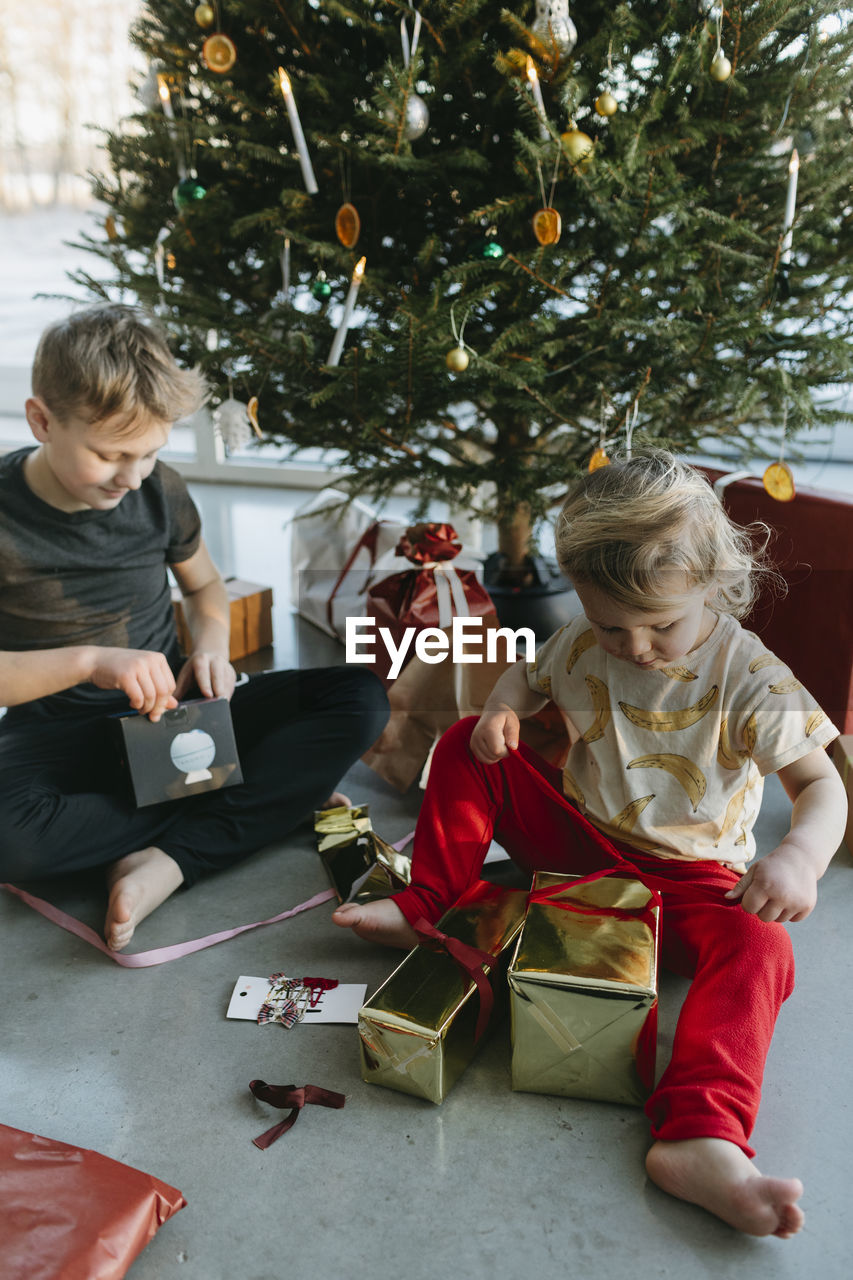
<point>349,306</point>
<point>533,77</point>
<point>165,95</point>
<point>790,207</point>
<point>298,136</point>
<point>285,267</point>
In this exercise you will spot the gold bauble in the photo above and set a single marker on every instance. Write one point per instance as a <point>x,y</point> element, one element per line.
<point>457,360</point>
<point>577,145</point>
<point>219,53</point>
<point>779,481</point>
<point>547,226</point>
<point>204,15</point>
<point>720,67</point>
<point>598,459</point>
<point>606,104</point>
<point>252,414</point>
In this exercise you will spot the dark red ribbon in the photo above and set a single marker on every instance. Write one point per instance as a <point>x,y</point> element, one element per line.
<point>422,543</point>
<point>366,541</point>
<point>470,960</point>
<point>288,1095</point>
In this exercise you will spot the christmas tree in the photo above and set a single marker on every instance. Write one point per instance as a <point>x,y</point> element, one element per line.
<point>553,232</point>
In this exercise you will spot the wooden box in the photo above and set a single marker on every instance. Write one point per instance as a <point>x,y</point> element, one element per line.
<point>251,617</point>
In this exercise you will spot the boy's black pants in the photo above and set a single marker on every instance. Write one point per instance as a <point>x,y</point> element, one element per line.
<point>297,734</point>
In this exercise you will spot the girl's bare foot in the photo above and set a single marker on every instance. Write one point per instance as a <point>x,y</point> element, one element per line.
<point>717,1175</point>
<point>381,921</point>
<point>137,885</point>
<point>336,800</point>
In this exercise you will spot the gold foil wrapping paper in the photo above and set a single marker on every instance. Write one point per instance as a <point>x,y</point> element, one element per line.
<point>360,864</point>
<point>417,1030</point>
<point>583,993</point>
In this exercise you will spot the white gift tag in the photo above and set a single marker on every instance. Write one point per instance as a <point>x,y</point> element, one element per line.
<point>341,1004</point>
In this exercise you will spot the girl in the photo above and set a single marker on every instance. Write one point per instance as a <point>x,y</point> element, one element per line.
<point>676,714</point>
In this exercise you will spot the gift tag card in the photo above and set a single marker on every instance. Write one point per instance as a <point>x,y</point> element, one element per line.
<point>340,1004</point>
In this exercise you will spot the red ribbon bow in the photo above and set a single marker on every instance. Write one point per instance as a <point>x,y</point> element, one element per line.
<point>288,1095</point>
<point>423,543</point>
<point>470,960</point>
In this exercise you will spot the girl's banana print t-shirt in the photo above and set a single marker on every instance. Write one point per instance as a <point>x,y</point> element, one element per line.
<point>673,761</point>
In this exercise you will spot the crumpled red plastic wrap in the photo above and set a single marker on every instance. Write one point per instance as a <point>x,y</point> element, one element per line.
<point>71,1214</point>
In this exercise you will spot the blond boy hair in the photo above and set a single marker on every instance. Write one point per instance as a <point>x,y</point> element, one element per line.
<point>634,528</point>
<point>111,359</point>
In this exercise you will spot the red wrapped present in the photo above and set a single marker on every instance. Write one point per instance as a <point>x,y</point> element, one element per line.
<point>72,1214</point>
<point>427,596</point>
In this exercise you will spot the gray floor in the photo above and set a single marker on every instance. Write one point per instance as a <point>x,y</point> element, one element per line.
<point>143,1066</point>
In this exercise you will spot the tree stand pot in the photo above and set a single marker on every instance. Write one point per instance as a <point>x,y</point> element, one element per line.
<point>543,602</point>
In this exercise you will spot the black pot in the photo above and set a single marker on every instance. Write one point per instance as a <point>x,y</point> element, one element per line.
<point>544,602</point>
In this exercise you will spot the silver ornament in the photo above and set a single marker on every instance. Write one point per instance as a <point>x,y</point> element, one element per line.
<point>417,117</point>
<point>232,425</point>
<point>553,26</point>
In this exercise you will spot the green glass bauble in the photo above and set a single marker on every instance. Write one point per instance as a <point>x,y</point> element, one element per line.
<point>488,247</point>
<point>320,288</point>
<point>187,192</point>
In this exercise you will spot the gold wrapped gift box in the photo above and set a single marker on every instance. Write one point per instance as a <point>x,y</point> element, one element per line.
<point>418,1031</point>
<point>361,865</point>
<point>583,991</point>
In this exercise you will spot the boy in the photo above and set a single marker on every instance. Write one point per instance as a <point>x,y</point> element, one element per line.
<point>89,522</point>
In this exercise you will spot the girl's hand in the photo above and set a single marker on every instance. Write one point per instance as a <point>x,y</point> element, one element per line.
<point>780,887</point>
<point>495,734</point>
<point>212,673</point>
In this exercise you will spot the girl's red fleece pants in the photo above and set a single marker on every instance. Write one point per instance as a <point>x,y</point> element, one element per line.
<point>741,968</point>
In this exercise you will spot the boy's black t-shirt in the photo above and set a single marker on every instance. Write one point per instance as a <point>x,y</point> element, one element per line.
<point>90,577</point>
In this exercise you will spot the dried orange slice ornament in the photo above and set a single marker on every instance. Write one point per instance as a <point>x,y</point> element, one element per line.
<point>779,482</point>
<point>598,459</point>
<point>547,226</point>
<point>219,53</point>
<point>252,411</point>
<point>348,225</point>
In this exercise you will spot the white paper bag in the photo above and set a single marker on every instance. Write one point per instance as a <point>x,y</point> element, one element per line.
<point>336,542</point>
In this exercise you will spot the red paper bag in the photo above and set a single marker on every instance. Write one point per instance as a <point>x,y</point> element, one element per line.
<point>427,596</point>
<point>72,1214</point>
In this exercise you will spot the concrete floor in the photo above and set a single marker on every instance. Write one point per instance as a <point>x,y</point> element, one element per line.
<point>144,1067</point>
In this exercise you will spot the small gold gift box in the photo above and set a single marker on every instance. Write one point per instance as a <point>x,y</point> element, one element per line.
<point>419,1030</point>
<point>583,990</point>
<point>360,864</point>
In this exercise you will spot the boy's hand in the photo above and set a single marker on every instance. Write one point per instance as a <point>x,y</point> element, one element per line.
<point>143,675</point>
<point>779,887</point>
<point>495,734</point>
<point>211,673</point>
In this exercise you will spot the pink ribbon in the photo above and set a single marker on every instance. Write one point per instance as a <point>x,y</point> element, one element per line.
<point>159,955</point>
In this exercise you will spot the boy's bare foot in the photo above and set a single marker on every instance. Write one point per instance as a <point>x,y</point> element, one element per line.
<point>381,921</point>
<point>137,885</point>
<point>717,1175</point>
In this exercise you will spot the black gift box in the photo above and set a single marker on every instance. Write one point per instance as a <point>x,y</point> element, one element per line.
<point>189,750</point>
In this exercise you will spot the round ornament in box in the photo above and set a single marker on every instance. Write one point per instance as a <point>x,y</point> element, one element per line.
<point>191,753</point>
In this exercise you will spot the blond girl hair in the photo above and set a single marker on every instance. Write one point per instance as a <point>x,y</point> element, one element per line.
<point>110,359</point>
<point>634,528</point>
